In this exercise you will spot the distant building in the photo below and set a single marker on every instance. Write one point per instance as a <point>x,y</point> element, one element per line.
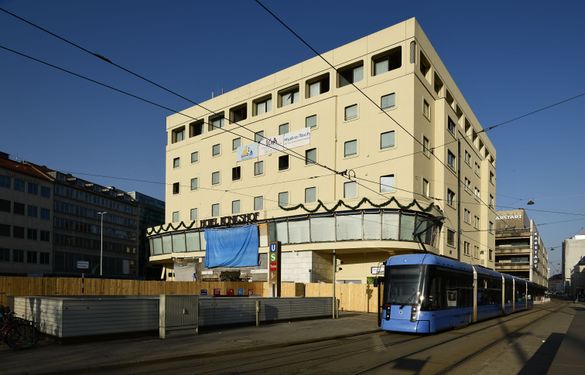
<point>573,251</point>
<point>51,224</point>
<point>151,212</point>
<point>556,284</point>
<point>578,280</point>
<point>520,250</point>
<point>26,219</point>
<point>399,183</point>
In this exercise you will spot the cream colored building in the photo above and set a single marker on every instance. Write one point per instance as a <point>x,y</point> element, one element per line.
<point>400,148</point>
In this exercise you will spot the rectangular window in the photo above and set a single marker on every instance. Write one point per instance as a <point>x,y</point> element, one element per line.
<point>426,147</point>
<point>258,168</point>
<point>236,142</point>
<point>193,214</point>
<point>194,183</point>
<point>5,181</point>
<point>196,128</point>
<point>310,156</point>
<point>450,125</point>
<point>466,248</point>
<point>283,199</point>
<point>45,235</point>
<point>350,148</point>
<point>258,203</point>
<point>236,207</point>
<point>311,121</point>
<point>387,61</point>
<point>387,183</point>
<point>19,184</point>
<point>425,66</point>
<point>283,129</point>
<point>262,105</point>
<point>388,101</point>
<point>426,109</point>
<point>215,178</point>
<point>350,74</point>
<point>176,217</point>
<point>492,177</point>
<point>4,255</point>
<point>17,232</point>
<point>387,140</point>
<point>45,192</point>
<point>317,86</point>
<point>451,160</point>
<point>426,188</point>
<point>176,162</point>
<point>283,162</point>
<point>32,211</point>
<point>288,96</point>
<point>194,157</point>
<point>351,112</point>
<point>450,237</point>
<point>215,122</point>
<point>18,208</point>
<point>18,256</point>
<point>259,136</point>
<point>350,189</point>
<point>467,184</point>
<point>236,173</point>
<point>215,149</point>
<point>467,157</point>
<point>44,258</point>
<point>31,234</point>
<point>45,213</point>
<point>450,197</point>
<point>491,201</point>
<point>239,113</point>
<point>466,215</point>
<point>33,188</point>
<point>215,210</point>
<point>178,134</point>
<point>4,230</point>
<point>176,188</point>
<point>5,205</point>
<point>491,227</point>
<point>310,194</point>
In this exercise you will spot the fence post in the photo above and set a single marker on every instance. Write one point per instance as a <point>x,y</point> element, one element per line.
<point>257,313</point>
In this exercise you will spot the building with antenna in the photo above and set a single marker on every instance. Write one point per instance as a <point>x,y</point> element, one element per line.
<point>380,155</point>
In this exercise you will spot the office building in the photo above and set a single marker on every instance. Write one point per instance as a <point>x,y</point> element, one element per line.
<point>314,164</point>
<point>573,252</point>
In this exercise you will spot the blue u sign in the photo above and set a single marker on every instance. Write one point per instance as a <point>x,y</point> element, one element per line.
<point>272,247</point>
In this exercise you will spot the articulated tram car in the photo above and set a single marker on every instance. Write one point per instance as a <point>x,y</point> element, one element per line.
<point>425,293</point>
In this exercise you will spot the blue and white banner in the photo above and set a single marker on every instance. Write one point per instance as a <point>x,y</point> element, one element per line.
<point>246,152</point>
<point>231,247</point>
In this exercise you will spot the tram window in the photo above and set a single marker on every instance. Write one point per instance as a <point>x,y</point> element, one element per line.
<point>508,291</point>
<point>489,290</point>
<point>451,298</point>
<point>448,289</point>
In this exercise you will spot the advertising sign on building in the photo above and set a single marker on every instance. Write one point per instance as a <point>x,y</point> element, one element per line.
<point>246,152</point>
<point>269,145</point>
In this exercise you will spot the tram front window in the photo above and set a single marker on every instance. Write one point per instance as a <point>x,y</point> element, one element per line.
<point>402,285</point>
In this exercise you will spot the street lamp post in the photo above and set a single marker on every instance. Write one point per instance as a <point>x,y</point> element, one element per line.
<point>101,213</point>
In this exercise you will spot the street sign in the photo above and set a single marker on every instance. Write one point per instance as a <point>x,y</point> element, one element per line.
<point>274,267</point>
<point>82,264</point>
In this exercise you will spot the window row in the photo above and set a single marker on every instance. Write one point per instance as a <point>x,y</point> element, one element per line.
<point>96,200</point>
<point>93,244</point>
<point>21,185</point>
<point>18,256</point>
<point>18,208</point>
<point>19,232</point>
<point>92,213</point>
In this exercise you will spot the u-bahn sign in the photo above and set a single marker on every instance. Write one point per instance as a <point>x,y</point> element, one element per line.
<point>274,268</point>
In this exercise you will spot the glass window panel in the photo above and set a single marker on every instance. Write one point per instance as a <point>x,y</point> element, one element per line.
<point>358,73</point>
<point>311,121</point>
<point>157,246</point>
<point>283,129</point>
<point>322,229</point>
<point>203,242</point>
<point>179,243</point>
<point>407,228</point>
<point>310,195</point>
<point>314,89</point>
<point>193,214</point>
<point>193,242</point>
<point>236,142</point>
<point>388,101</point>
<point>349,227</point>
<point>350,189</point>
<point>350,148</point>
<point>381,67</point>
<point>258,203</point>
<point>387,140</point>
<point>298,231</point>
<point>350,112</point>
<point>387,183</point>
<point>283,198</point>
<point>390,226</point>
<point>236,207</point>
<point>282,232</point>
<point>167,244</point>
<point>372,226</point>
<point>194,157</point>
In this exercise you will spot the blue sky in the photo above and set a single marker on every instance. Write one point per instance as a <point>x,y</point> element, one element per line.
<point>507,57</point>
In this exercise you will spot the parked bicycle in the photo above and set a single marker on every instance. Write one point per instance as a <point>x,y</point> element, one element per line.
<point>17,333</point>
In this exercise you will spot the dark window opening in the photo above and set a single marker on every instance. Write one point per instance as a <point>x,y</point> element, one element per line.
<point>317,86</point>
<point>283,162</point>
<point>438,84</point>
<point>176,188</point>
<point>350,74</point>
<point>236,173</point>
<point>425,65</point>
<point>178,134</point>
<point>239,113</point>
<point>387,61</point>
<point>196,128</point>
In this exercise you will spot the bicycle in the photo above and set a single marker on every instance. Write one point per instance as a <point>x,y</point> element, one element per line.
<point>17,333</point>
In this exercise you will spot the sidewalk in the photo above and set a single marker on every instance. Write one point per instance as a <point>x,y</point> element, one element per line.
<point>50,357</point>
<point>570,357</point>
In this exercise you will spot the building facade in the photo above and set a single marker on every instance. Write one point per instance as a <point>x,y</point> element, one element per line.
<point>520,250</point>
<point>316,165</point>
<point>26,218</point>
<point>573,252</point>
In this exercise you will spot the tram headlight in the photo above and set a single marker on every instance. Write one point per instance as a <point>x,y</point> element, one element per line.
<point>387,308</point>
<point>413,313</point>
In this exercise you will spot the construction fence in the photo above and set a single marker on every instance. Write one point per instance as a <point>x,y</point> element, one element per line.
<point>352,297</point>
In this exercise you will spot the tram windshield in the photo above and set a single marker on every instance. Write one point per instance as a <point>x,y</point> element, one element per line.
<point>402,285</point>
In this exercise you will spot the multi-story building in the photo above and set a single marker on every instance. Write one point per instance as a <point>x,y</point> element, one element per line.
<point>324,169</point>
<point>26,212</point>
<point>151,212</point>
<point>573,251</point>
<point>520,250</point>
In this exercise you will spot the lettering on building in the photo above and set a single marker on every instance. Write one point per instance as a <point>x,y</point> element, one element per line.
<point>229,220</point>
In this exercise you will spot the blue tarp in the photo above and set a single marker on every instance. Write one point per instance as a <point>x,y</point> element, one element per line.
<point>231,247</point>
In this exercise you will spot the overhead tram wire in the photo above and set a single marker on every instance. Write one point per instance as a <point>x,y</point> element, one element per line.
<point>109,61</point>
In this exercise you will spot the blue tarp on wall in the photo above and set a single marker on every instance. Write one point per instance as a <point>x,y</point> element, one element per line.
<point>231,247</point>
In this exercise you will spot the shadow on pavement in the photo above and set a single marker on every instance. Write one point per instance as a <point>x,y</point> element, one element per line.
<point>541,361</point>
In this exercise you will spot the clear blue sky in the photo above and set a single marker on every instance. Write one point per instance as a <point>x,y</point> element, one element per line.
<point>507,57</point>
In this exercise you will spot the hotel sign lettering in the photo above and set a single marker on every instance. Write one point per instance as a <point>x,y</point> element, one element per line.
<point>229,220</point>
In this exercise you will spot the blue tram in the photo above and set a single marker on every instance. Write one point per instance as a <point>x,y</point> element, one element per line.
<point>426,293</point>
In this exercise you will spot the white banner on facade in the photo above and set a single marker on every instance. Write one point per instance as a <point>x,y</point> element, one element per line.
<point>289,140</point>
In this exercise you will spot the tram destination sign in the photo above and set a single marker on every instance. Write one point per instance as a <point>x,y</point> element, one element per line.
<point>229,220</point>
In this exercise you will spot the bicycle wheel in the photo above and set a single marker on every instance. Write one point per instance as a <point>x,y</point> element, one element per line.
<point>21,336</point>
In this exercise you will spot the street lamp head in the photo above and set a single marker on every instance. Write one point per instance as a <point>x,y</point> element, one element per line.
<point>530,203</point>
